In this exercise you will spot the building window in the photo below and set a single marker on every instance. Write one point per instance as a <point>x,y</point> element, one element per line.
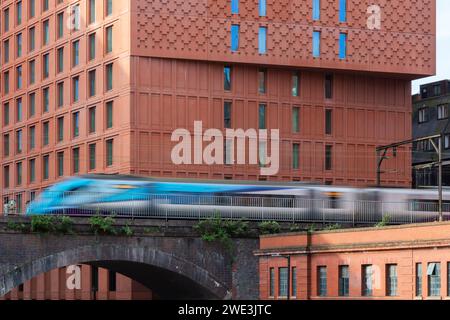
<point>112,281</point>
<point>19,111</point>
<point>227,78</point>
<point>46,67</point>
<point>294,281</point>
<point>434,279</point>
<point>45,5</point>
<point>367,281</point>
<point>322,281</point>
<point>45,167</point>
<point>91,11</point>
<point>6,145</point>
<point>418,279</point>
<point>272,282</point>
<point>6,51</point>
<point>76,160</point>
<point>32,39</point>
<point>19,77</point>
<point>296,84</point>
<point>262,8</point>
<point>60,123</point>
<point>109,39</point>
<point>109,152</point>
<point>60,62</point>
<point>19,145</point>
<point>423,115</point>
<point>295,156</point>
<point>19,203</point>
<point>228,152</point>
<point>32,104</point>
<point>32,137</point>
<point>328,86</point>
<point>295,119</point>
<point>235,6</point>
<point>32,166</point>
<point>76,124</point>
<point>18,173</point>
<point>45,134</point>
<point>32,71</point>
<point>262,40</point>
<point>6,177</point>
<point>316,44</point>
<point>448,279</point>
<point>437,90</point>
<point>109,114</point>
<point>76,88</point>
<point>92,120</point>
<point>46,99</point>
<point>282,282</point>
<point>391,280</point>
<point>109,77</point>
<point>92,83</point>
<point>316,9</point>
<point>342,45</point>
<point>344,281</point>
<point>92,49</point>
<point>76,17</point>
<point>328,121</point>
<point>6,20</point>
<point>442,111</point>
<point>92,158</point>
<point>46,32</point>
<point>234,37</point>
<point>60,157</point>
<point>328,158</point>
<point>6,114</point>
<point>19,45</point>
<point>262,117</point>
<point>60,88</point>
<point>262,150</point>
<point>262,79</point>
<point>227,114</point>
<point>109,7</point>
<point>342,10</point>
<point>60,25</point>
<point>75,53</point>
<point>32,8</point>
<point>6,82</point>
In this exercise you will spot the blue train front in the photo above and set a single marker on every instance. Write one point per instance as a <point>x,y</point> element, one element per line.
<point>135,196</point>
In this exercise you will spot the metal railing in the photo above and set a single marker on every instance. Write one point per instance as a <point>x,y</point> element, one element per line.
<point>252,208</point>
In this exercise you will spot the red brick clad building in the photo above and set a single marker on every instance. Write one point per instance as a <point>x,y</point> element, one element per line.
<point>98,86</point>
<point>407,262</point>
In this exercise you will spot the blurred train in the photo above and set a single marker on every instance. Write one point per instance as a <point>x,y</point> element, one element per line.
<point>180,198</point>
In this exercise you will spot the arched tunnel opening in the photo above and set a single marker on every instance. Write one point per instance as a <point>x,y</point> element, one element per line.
<point>165,284</point>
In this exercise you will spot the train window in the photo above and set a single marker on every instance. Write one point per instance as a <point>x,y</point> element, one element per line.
<point>422,205</point>
<point>332,201</point>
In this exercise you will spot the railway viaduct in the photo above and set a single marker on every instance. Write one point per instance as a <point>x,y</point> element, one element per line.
<point>171,260</point>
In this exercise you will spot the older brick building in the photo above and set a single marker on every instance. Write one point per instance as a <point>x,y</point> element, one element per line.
<point>98,86</point>
<point>407,262</point>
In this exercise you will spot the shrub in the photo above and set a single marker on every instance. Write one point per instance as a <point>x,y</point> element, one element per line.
<point>384,221</point>
<point>148,230</point>
<point>102,225</point>
<point>295,228</point>
<point>43,224</point>
<point>331,227</point>
<point>216,229</point>
<point>21,227</point>
<point>64,225</point>
<point>269,227</point>
<point>126,231</point>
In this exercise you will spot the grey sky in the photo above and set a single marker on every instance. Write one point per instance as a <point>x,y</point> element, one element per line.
<point>443,46</point>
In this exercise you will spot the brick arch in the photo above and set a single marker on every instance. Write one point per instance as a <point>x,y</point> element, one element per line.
<point>152,266</point>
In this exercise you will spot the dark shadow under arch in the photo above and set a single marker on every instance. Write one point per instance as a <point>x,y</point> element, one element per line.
<point>169,276</point>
